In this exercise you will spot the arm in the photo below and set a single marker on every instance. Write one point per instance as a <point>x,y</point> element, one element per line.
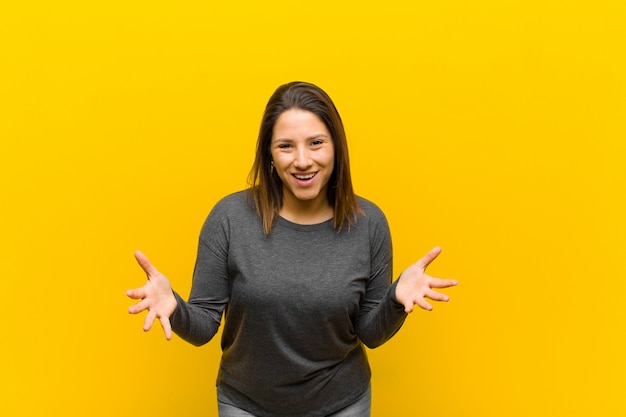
<point>386,305</point>
<point>380,315</point>
<point>197,320</point>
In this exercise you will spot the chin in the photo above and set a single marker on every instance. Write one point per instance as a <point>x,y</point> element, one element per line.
<point>306,197</point>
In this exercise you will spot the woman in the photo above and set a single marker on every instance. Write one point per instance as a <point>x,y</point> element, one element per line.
<point>301,268</point>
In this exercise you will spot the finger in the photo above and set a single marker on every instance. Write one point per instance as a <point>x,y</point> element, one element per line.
<point>145,264</point>
<point>137,293</point>
<point>430,256</point>
<point>408,307</point>
<point>147,324</point>
<point>442,283</point>
<point>422,303</point>
<point>167,328</point>
<point>436,296</point>
<point>139,307</point>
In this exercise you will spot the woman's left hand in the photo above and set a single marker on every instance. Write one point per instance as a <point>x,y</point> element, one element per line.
<point>414,285</point>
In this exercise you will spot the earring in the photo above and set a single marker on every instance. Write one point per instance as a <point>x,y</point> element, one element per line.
<point>272,167</point>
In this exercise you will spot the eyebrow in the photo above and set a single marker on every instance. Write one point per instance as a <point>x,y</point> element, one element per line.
<point>316,136</point>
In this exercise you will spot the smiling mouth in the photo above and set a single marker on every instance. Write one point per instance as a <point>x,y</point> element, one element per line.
<point>304,177</point>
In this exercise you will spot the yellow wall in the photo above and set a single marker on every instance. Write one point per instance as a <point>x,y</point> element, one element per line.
<point>495,129</point>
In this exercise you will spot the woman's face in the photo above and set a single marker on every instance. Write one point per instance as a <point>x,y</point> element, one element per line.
<point>303,154</point>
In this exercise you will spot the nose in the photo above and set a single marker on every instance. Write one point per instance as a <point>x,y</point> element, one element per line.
<point>303,158</point>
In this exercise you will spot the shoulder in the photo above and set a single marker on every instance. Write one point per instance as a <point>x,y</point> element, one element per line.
<point>234,202</point>
<point>370,210</point>
<point>233,208</point>
<point>373,220</point>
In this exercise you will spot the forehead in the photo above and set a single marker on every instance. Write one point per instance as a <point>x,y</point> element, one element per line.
<point>298,122</point>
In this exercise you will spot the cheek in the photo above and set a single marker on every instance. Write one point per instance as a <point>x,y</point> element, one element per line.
<point>280,162</point>
<point>331,161</point>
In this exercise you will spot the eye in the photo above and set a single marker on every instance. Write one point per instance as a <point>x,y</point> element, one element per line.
<point>317,142</point>
<point>284,145</point>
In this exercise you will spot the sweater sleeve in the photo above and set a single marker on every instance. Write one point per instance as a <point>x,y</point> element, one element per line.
<point>380,314</point>
<point>198,319</point>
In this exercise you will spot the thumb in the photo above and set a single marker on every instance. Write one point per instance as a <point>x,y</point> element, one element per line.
<point>145,264</point>
<point>408,307</point>
<point>429,257</point>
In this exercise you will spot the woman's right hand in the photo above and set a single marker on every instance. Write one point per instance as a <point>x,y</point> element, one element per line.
<point>156,296</point>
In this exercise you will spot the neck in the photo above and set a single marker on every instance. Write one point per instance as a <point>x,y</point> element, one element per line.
<point>305,212</point>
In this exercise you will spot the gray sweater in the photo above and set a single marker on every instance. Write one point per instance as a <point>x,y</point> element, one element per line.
<point>299,304</point>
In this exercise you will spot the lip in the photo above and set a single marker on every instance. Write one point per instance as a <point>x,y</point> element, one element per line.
<point>309,177</point>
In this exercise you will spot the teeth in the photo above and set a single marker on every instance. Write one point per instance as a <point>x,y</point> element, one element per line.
<point>304,177</point>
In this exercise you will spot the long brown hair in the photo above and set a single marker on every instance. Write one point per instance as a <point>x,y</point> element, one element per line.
<point>266,186</point>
